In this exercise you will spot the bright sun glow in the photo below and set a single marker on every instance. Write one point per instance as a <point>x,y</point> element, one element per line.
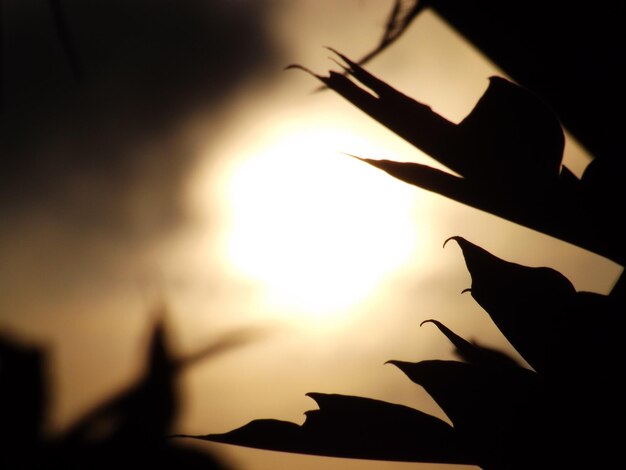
<point>318,229</point>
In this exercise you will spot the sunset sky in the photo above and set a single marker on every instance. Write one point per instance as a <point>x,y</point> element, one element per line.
<point>230,198</point>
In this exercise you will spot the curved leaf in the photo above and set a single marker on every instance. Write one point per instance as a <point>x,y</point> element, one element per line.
<point>493,409</point>
<point>527,304</point>
<point>428,178</point>
<point>475,398</point>
<point>510,137</point>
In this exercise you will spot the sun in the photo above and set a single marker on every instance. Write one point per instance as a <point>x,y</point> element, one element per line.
<point>317,229</point>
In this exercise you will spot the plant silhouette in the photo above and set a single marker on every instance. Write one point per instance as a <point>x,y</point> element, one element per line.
<point>571,57</point>
<point>508,152</point>
<point>565,412</point>
<point>503,415</point>
<point>130,430</point>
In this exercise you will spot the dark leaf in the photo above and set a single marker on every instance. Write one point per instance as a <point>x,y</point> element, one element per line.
<point>411,120</point>
<point>356,427</point>
<point>578,75</point>
<point>493,409</point>
<point>527,304</point>
<point>508,151</point>
<point>428,178</point>
<point>473,353</point>
<point>510,138</point>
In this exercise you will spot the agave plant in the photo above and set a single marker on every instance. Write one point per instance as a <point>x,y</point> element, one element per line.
<point>503,415</point>
<point>560,411</point>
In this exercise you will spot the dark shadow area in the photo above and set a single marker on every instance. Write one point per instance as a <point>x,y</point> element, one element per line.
<point>97,96</point>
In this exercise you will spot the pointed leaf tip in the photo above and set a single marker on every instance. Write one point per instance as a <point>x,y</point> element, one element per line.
<point>455,238</point>
<point>517,298</point>
<point>345,69</point>
<point>314,396</point>
<point>361,159</point>
<point>303,68</point>
<point>398,364</point>
<point>343,57</point>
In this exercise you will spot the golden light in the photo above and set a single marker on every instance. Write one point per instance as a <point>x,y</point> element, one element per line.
<point>318,229</point>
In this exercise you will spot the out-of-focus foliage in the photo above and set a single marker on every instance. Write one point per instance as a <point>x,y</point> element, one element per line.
<point>130,430</point>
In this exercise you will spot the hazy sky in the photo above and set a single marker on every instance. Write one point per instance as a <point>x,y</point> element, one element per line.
<point>216,180</point>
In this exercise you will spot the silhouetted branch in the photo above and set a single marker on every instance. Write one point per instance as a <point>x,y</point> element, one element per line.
<point>402,14</point>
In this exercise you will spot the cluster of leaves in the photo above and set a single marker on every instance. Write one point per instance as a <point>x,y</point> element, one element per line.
<point>508,153</point>
<point>503,415</point>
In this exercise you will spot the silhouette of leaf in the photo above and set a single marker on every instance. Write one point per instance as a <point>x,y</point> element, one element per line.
<point>473,353</point>
<point>483,402</point>
<point>356,427</point>
<point>504,416</point>
<point>475,398</point>
<point>579,76</point>
<point>428,178</point>
<point>527,304</point>
<point>544,318</point>
<point>508,151</point>
<point>510,138</point>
